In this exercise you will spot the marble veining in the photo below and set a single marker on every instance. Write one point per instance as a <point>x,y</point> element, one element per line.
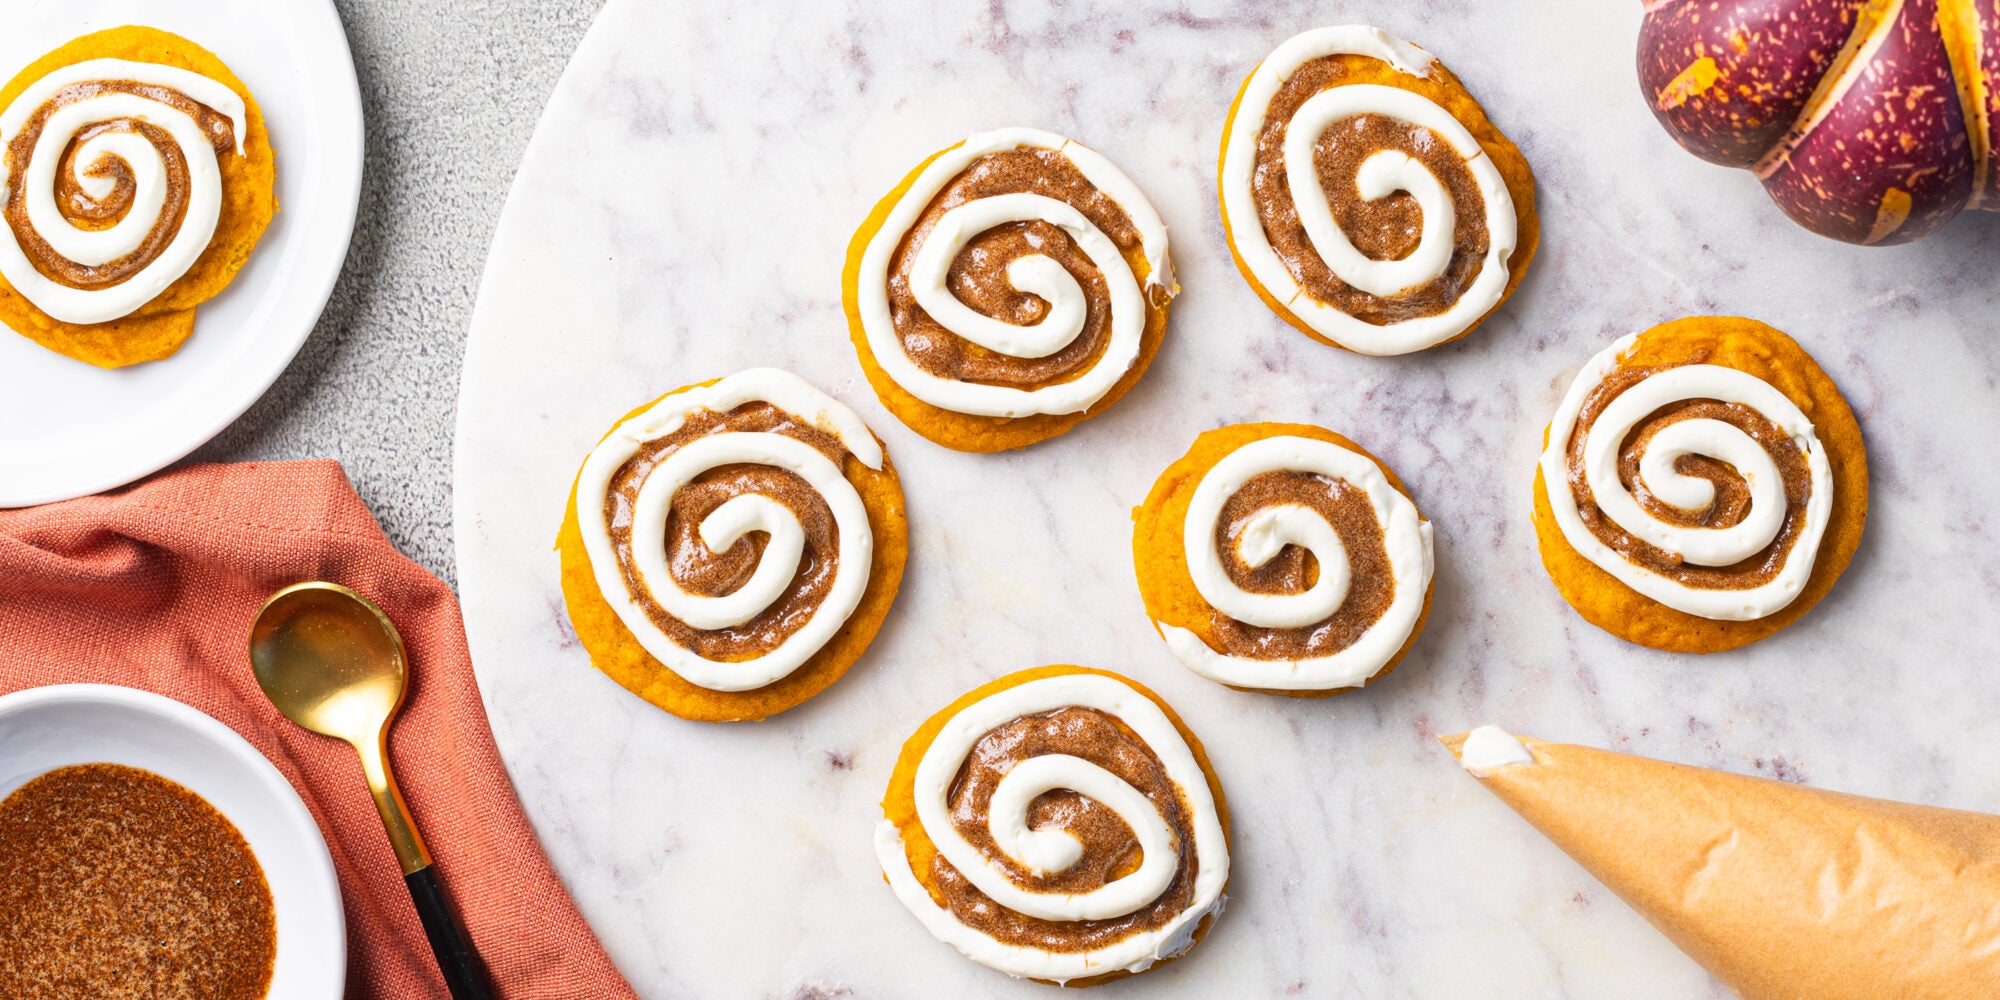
<point>683,213</point>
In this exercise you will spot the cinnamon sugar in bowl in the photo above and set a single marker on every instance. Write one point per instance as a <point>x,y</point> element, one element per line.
<point>153,852</point>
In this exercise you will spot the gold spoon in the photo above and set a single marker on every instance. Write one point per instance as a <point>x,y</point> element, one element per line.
<point>331,661</point>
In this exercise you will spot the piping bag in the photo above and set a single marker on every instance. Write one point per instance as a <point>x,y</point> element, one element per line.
<point>1780,891</point>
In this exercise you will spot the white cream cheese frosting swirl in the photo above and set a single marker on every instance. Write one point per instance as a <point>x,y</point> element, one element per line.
<point>117,114</point>
<point>1405,538</point>
<point>1035,274</point>
<point>1380,175</point>
<point>1165,839</point>
<point>730,523</point>
<point>1659,474</point>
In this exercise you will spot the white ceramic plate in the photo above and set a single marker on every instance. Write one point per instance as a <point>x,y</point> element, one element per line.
<point>49,727</point>
<point>67,428</point>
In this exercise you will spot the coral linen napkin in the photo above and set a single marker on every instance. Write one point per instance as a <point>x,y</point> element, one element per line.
<point>154,587</point>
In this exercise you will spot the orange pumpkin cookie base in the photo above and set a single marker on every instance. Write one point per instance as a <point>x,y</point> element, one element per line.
<point>1444,89</point>
<point>1771,355</point>
<point>249,199</point>
<point>965,431</point>
<point>899,803</point>
<point>614,650</point>
<point>1159,556</point>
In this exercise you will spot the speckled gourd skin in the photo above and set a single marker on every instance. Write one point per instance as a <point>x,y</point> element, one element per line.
<point>1869,121</point>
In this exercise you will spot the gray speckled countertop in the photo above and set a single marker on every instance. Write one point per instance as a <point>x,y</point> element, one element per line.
<point>452,90</point>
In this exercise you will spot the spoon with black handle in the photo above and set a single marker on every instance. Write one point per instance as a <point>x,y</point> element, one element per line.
<point>331,661</point>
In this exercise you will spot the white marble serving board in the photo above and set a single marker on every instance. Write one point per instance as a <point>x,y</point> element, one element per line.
<point>683,212</point>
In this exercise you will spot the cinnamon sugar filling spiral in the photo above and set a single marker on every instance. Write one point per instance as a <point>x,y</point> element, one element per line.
<point>1700,486</point>
<point>723,531</point>
<point>113,183</point>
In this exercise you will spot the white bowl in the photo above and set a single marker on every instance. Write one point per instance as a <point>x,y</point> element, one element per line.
<point>49,727</point>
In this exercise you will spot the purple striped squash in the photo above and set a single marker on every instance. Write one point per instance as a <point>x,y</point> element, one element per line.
<point>1869,121</point>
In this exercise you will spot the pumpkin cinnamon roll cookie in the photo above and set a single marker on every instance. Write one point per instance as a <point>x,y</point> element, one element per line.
<point>1010,287</point>
<point>1059,824</point>
<point>1283,558</point>
<point>1367,199</point>
<point>1702,485</point>
<point>138,178</point>
<point>731,548</point>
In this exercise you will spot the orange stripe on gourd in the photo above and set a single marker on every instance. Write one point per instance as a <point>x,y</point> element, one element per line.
<point>1690,83</point>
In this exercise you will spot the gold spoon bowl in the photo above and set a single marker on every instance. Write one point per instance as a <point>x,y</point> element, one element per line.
<point>331,661</point>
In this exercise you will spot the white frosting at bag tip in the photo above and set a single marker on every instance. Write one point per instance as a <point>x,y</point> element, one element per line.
<point>729,522</point>
<point>1380,175</point>
<point>1035,274</point>
<point>1489,748</point>
<point>1055,850</point>
<point>148,171</point>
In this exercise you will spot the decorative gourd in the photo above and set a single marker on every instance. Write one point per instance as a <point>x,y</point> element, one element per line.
<point>1869,121</point>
